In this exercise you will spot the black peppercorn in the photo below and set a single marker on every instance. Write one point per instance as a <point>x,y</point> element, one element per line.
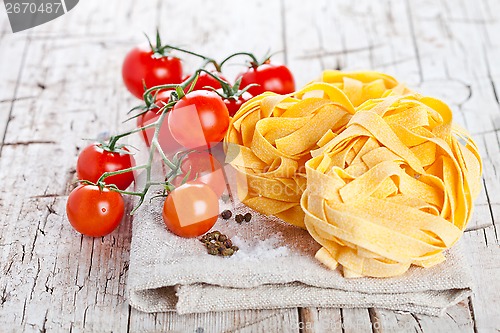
<point>248,217</point>
<point>226,215</point>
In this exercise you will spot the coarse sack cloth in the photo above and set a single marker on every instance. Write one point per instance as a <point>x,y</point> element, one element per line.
<point>274,268</point>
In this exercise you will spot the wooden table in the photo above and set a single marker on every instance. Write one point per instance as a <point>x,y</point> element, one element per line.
<point>61,82</point>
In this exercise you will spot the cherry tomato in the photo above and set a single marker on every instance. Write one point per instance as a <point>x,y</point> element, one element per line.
<point>191,210</point>
<point>269,77</point>
<point>93,161</point>
<point>167,142</point>
<point>199,119</point>
<point>140,65</point>
<point>93,212</point>
<point>233,105</point>
<point>205,80</point>
<point>203,168</point>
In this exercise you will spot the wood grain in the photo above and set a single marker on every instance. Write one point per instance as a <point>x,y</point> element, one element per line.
<point>60,82</point>
<point>10,71</point>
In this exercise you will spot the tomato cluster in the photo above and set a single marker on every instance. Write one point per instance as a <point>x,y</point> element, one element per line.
<point>200,106</point>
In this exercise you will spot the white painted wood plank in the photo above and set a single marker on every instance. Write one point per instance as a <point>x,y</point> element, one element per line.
<point>356,321</point>
<point>9,70</point>
<point>451,40</point>
<point>484,258</point>
<point>457,319</point>
<point>317,320</point>
<point>55,279</point>
<point>285,320</point>
<point>350,36</point>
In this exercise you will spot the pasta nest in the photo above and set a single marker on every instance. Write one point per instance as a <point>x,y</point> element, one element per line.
<point>270,138</point>
<point>389,181</point>
<point>395,188</point>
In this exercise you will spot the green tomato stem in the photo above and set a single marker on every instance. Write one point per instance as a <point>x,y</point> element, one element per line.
<point>207,59</point>
<point>125,192</point>
<point>113,140</point>
<point>160,87</point>
<point>119,172</point>
<point>163,156</point>
<point>248,54</point>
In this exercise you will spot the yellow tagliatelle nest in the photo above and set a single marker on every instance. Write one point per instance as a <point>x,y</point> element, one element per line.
<point>389,181</point>
<point>271,136</point>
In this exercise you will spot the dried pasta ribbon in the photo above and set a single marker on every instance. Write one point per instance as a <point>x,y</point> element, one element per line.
<point>271,137</point>
<point>360,86</point>
<point>395,188</point>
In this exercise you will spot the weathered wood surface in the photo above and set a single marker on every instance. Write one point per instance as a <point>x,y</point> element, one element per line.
<point>61,82</point>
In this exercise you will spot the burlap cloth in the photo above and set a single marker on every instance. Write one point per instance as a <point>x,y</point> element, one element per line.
<point>274,268</point>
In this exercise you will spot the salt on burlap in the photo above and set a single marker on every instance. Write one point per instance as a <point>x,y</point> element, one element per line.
<point>274,268</point>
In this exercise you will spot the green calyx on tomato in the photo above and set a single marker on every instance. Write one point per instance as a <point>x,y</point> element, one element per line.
<point>159,50</point>
<point>206,81</point>
<point>232,95</point>
<point>228,91</point>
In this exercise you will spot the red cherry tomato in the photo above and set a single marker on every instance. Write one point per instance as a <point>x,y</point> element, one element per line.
<point>233,105</point>
<point>93,161</point>
<point>203,168</point>
<point>191,210</point>
<point>93,212</point>
<point>205,80</point>
<point>140,65</point>
<point>269,77</point>
<point>167,142</point>
<point>199,119</point>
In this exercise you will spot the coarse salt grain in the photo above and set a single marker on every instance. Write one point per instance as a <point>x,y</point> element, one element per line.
<point>256,249</point>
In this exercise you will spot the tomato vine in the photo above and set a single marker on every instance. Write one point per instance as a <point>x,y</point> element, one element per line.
<point>232,93</point>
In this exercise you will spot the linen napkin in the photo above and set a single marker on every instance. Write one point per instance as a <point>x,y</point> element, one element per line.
<point>274,268</point>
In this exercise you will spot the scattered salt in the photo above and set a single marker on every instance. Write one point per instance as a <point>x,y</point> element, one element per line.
<point>256,249</point>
